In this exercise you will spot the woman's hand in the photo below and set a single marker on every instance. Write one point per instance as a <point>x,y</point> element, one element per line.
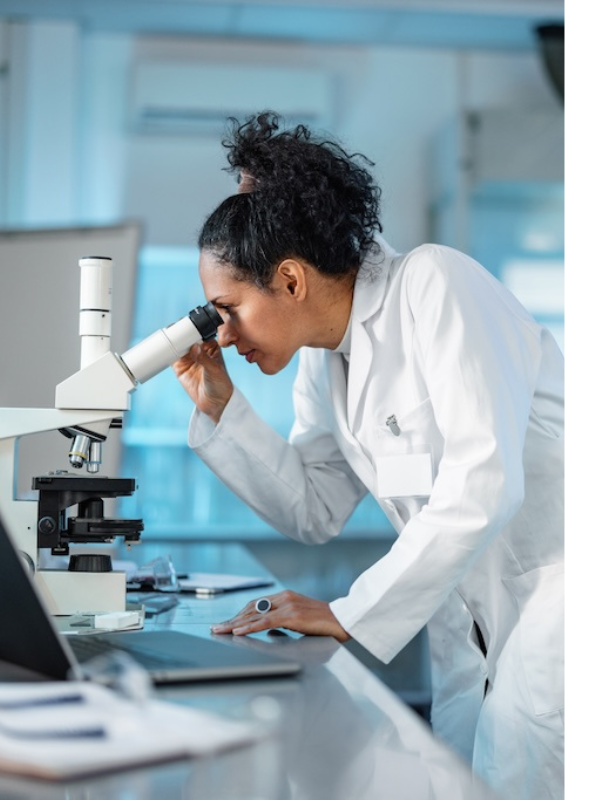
<point>203,375</point>
<point>288,610</point>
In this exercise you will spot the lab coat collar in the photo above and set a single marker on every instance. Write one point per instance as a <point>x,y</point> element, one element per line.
<point>371,281</point>
<point>369,292</point>
<point>344,346</point>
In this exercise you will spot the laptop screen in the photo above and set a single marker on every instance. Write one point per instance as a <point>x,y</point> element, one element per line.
<point>28,637</point>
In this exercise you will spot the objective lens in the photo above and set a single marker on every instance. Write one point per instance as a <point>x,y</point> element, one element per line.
<point>79,450</point>
<point>94,457</point>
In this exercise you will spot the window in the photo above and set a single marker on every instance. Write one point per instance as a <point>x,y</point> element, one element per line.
<point>517,232</point>
<point>539,285</point>
<point>177,495</point>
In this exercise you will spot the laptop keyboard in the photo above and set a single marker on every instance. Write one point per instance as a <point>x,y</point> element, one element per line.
<point>87,647</point>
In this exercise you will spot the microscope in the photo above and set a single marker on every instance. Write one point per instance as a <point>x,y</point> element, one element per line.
<point>88,405</point>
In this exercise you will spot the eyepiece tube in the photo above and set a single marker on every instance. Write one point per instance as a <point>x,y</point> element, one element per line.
<point>206,319</point>
<point>95,303</point>
<point>162,348</point>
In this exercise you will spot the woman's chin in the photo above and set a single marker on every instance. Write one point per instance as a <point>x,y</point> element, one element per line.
<point>270,366</point>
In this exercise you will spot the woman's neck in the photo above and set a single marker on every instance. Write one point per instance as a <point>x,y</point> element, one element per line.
<point>332,306</point>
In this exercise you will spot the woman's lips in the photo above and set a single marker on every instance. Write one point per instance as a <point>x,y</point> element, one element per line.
<point>249,356</point>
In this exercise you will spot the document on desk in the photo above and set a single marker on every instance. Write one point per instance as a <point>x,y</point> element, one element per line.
<point>207,583</point>
<point>59,730</point>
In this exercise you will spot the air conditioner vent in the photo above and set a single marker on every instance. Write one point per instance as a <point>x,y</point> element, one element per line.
<point>194,98</point>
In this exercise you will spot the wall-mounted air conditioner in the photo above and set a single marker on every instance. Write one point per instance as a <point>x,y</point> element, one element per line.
<point>196,98</point>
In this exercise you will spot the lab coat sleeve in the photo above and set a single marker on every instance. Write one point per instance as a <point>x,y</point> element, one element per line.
<point>305,490</point>
<point>480,355</point>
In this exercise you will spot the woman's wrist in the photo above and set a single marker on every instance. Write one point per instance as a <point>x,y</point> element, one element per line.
<point>215,412</point>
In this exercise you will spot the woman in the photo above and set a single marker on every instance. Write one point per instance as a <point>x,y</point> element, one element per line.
<point>423,381</point>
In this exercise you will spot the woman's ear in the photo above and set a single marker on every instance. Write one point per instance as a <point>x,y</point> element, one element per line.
<point>246,182</point>
<point>292,277</point>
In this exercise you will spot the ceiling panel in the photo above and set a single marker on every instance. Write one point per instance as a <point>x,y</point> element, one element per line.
<point>505,24</point>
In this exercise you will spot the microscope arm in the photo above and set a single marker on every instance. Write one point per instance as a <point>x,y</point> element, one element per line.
<point>17,422</point>
<point>20,516</point>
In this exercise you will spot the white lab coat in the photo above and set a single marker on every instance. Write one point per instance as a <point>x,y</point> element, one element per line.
<point>476,389</point>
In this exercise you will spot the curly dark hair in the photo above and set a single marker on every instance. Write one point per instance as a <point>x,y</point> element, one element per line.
<point>311,199</point>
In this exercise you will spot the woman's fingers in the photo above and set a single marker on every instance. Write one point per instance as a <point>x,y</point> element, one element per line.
<point>203,375</point>
<point>289,610</point>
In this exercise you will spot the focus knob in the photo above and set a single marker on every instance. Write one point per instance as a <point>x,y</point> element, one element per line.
<point>90,562</point>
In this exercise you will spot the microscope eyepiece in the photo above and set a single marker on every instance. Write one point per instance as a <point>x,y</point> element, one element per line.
<point>157,351</point>
<point>206,319</point>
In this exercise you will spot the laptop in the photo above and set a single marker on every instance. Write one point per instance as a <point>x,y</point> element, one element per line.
<point>29,640</point>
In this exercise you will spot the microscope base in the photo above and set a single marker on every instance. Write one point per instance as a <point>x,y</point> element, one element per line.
<point>67,592</point>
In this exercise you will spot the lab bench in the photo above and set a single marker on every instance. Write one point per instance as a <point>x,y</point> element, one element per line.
<point>336,732</point>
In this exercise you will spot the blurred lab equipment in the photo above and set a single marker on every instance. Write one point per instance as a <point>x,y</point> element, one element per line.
<point>87,405</point>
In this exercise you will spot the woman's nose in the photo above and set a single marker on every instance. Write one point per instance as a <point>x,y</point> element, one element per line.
<point>225,335</point>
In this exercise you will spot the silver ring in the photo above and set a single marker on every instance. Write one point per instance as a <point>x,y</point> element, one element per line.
<point>262,605</point>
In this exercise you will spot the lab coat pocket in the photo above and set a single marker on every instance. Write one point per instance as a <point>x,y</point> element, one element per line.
<point>404,455</point>
<point>540,597</point>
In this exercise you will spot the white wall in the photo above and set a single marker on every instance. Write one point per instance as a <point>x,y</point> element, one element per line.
<point>73,157</point>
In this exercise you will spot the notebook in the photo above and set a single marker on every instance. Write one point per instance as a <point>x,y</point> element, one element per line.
<point>30,640</point>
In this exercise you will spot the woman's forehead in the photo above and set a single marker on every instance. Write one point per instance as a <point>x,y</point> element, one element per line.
<point>212,266</point>
<point>218,278</point>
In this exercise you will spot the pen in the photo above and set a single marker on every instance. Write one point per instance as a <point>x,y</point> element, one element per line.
<point>35,702</point>
<point>94,732</point>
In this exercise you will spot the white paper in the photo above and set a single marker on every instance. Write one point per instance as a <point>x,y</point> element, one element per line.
<point>136,734</point>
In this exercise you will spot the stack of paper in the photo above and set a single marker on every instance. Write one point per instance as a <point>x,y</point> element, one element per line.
<point>73,729</point>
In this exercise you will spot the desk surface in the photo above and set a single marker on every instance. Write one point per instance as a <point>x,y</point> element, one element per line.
<point>339,732</point>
